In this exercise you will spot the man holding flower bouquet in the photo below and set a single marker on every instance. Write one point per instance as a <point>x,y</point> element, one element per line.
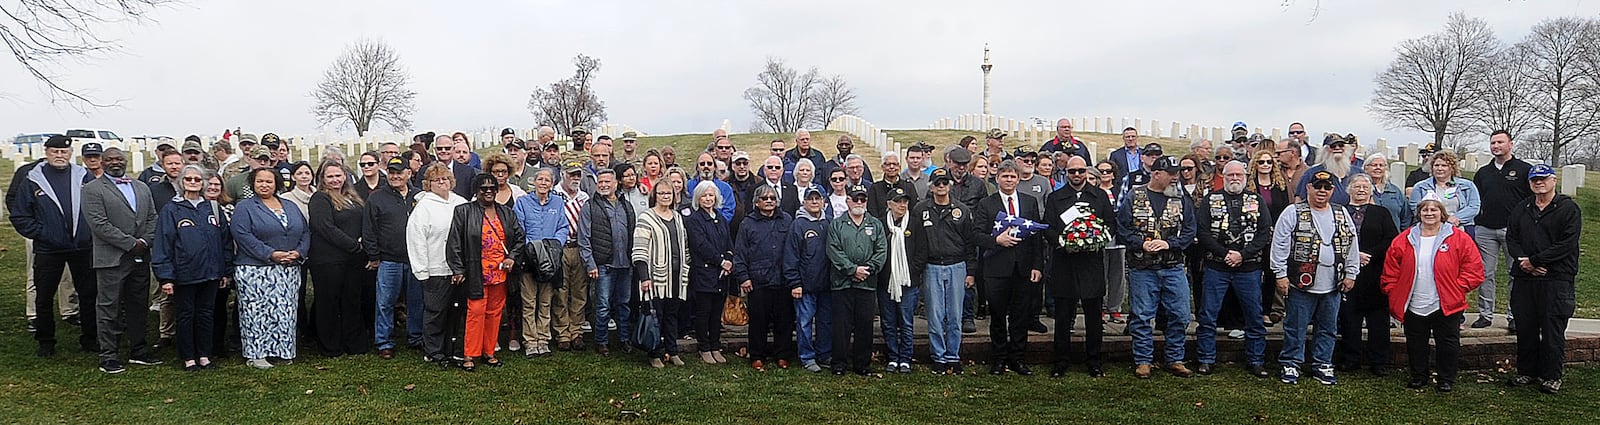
<point>1081,224</point>
<point>1234,232</point>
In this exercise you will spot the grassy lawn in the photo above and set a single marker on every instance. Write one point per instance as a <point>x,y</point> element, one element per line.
<point>585,388</point>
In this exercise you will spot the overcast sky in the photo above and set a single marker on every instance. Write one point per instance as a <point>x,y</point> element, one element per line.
<point>675,67</point>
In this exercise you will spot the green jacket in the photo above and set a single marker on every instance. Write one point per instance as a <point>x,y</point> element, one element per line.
<point>850,246</point>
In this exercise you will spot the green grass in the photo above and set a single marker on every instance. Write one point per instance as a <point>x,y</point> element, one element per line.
<point>585,388</point>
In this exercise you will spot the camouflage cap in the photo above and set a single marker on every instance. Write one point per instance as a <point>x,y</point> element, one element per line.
<point>996,133</point>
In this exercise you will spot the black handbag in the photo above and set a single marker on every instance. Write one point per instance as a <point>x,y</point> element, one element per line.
<point>647,328</point>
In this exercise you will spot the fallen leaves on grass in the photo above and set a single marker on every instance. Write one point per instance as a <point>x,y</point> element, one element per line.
<point>308,392</point>
<point>168,401</point>
<point>1199,404</point>
<point>409,387</point>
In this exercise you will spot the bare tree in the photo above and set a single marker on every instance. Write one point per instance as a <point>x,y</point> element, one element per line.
<point>783,98</point>
<point>1431,82</point>
<point>1558,62</point>
<point>366,83</point>
<point>43,33</point>
<point>571,102</point>
<point>1503,96</point>
<point>833,98</point>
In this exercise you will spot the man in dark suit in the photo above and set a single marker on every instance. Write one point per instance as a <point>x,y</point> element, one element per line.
<point>122,218</point>
<point>788,197</point>
<point>1012,271</point>
<point>1128,155</point>
<point>446,148</point>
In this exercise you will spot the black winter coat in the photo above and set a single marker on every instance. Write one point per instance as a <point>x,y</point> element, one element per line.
<point>464,246</point>
<point>709,245</point>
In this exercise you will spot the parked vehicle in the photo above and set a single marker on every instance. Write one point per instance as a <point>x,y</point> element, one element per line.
<point>23,140</point>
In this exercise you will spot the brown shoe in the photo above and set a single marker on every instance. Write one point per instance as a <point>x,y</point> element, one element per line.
<point>758,365</point>
<point>783,364</point>
<point>564,346</point>
<point>601,349</point>
<point>1179,370</point>
<point>386,354</point>
<point>1142,371</point>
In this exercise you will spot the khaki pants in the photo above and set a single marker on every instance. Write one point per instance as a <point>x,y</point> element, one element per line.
<point>573,296</point>
<point>162,303</point>
<point>536,310</point>
<point>66,296</point>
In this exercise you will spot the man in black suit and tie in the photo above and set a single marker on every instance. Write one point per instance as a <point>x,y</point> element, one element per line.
<point>446,148</point>
<point>122,218</point>
<point>1011,271</point>
<point>788,197</point>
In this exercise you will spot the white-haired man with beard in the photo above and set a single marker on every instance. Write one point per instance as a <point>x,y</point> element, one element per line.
<point>1235,231</point>
<point>1335,159</point>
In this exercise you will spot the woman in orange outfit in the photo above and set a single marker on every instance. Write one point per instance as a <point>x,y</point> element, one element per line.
<point>481,250</point>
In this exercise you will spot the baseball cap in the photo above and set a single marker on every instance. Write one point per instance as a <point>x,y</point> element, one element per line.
<point>1331,139</point>
<point>92,149</point>
<point>578,130</point>
<point>506,131</point>
<point>1153,149</point>
<point>938,175</point>
<point>517,143</point>
<point>396,164</point>
<point>1024,151</point>
<point>898,194</point>
<point>996,133</point>
<point>1166,163</point>
<point>809,191</point>
<point>164,145</point>
<point>738,155</point>
<point>1322,177</point>
<point>856,190</point>
<point>629,136</point>
<point>1541,171</point>
<point>1239,124</point>
<point>192,146</point>
<point>260,151</point>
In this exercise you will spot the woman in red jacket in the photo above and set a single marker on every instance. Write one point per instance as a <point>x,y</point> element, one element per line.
<point>1427,274</point>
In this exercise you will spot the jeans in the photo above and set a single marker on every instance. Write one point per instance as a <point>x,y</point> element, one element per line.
<point>1148,288</point>
<point>394,278</point>
<point>1246,287</point>
<point>1446,332</point>
<point>943,292</point>
<point>1303,308</point>
<point>897,322</point>
<point>1491,244</point>
<point>612,291</point>
<point>814,314</point>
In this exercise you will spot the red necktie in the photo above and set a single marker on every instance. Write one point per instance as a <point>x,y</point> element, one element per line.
<point>1011,208</point>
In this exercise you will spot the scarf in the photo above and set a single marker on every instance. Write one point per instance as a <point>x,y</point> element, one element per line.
<point>899,270</point>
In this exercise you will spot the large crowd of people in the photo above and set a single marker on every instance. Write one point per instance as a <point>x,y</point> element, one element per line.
<point>534,247</point>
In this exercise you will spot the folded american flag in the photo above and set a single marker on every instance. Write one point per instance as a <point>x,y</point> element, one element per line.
<point>1020,228</point>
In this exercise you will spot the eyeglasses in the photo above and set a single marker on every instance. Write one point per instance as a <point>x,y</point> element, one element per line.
<point>1190,168</point>
<point>1264,162</point>
<point>724,148</point>
<point>500,172</point>
<point>767,198</point>
<point>941,183</point>
<point>193,179</point>
<point>1283,151</point>
<point>1029,161</point>
<point>1077,170</point>
<point>836,179</point>
<point>368,164</point>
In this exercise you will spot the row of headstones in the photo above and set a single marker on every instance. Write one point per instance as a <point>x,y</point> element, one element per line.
<point>864,132</point>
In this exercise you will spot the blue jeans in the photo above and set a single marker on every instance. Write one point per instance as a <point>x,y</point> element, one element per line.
<point>1319,310</point>
<point>943,292</point>
<point>814,314</point>
<point>612,291</point>
<point>1168,287</point>
<point>1247,288</point>
<point>897,318</point>
<point>392,276</point>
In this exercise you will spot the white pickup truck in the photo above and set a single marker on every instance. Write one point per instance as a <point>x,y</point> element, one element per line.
<point>104,137</point>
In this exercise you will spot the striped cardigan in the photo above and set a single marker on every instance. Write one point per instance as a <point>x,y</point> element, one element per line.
<point>652,246</point>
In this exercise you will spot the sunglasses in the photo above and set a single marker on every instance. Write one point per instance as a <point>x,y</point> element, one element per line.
<point>741,162</point>
<point>1322,186</point>
<point>1264,162</point>
<point>1152,154</point>
<point>858,199</point>
<point>777,150</point>
<point>368,164</point>
<point>1188,168</point>
<point>767,198</point>
<point>1336,145</point>
<point>836,179</point>
<point>193,179</point>
<point>1077,170</point>
<point>724,148</point>
<point>488,189</point>
<point>774,167</point>
<point>941,183</point>
<point>1224,158</point>
<point>707,163</point>
<point>1106,171</point>
<point>1283,151</point>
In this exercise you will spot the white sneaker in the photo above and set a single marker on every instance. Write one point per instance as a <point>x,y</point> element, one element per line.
<point>259,363</point>
<point>1236,334</point>
<point>585,327</point>
<point>611,325</point>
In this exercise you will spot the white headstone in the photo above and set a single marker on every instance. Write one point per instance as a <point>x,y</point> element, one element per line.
<point>1397,173</point>
<point>1571,179</point>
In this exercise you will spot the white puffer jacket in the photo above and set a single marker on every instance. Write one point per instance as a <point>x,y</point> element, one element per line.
<point>426,232</point>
